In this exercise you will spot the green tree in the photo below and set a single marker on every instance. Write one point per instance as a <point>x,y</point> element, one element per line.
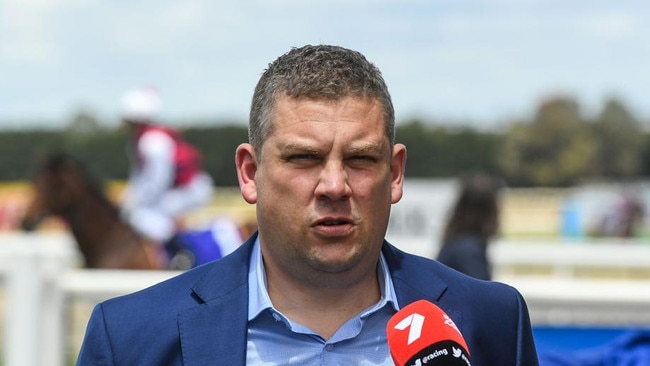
<point>21,150</point>
<point>218,148</point>
<point>446,152</point>
<point>83,122</point>
<point>621,142</point>
<point>556,149</point>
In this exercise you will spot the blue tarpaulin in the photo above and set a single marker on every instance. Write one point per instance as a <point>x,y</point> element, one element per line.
<point>592,346</point>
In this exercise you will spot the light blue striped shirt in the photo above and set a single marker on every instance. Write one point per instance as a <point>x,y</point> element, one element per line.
<point>273,339</point>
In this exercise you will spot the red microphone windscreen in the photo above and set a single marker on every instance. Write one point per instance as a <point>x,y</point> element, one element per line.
<point>422,334</point>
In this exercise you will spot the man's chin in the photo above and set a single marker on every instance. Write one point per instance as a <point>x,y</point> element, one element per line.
<point>335,263</point>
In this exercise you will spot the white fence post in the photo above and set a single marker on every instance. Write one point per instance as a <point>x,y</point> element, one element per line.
<point>34,333</point>
<point>23,301</point>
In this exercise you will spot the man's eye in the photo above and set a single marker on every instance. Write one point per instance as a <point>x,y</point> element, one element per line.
<point>363,159</point>
<point>302,157</point>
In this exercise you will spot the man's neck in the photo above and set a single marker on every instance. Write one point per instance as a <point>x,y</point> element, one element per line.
<point>322,309</point>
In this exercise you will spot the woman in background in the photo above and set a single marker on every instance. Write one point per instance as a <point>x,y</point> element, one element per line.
<point>473,223</point>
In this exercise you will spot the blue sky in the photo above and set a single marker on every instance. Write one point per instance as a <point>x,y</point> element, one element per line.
<point>481,61</point>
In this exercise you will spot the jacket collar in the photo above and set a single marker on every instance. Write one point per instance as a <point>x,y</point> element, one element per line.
<point>413,277</point>
<point>216,329</point>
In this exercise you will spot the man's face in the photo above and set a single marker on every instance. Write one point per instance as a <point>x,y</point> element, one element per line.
<point>324,186</point>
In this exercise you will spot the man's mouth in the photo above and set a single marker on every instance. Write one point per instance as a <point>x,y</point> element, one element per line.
<point>333,222</point>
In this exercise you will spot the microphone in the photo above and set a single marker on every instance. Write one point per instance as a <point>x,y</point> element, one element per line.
<point>422,334</point>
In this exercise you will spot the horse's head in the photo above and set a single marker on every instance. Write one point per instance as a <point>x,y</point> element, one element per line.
<point>62,186</point>
<point>58,185</point>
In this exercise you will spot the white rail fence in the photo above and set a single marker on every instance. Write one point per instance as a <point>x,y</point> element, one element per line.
<point>41,277</point>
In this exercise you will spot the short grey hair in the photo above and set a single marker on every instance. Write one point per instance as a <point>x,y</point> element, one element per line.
<point>316,72</point>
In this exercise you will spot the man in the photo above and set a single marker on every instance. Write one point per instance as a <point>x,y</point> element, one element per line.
<point>166,179</point>
<point>317,283</point>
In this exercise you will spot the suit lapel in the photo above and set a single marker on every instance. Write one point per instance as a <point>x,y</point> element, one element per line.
<point>414,280</point>
<point>214,334</point>
<point>215,331</point>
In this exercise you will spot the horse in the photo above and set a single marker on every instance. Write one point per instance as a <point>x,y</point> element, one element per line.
<point>64,187</point>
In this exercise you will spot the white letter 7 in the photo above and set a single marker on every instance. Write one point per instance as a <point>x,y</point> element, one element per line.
<point>414,322</point>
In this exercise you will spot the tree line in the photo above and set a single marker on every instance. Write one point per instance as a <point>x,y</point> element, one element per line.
<point>558,146</point>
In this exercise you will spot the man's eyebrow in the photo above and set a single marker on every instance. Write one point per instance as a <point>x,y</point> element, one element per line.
<point>296,146</point>
<point>366,148</point>
<point>358,148</point>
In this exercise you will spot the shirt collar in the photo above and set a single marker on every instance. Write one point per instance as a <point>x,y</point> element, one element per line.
<point>259,300</point>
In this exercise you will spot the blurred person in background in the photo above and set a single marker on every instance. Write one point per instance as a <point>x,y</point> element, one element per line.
<point>166,178</point>
<point>472,224</point>
<point>623,219</point>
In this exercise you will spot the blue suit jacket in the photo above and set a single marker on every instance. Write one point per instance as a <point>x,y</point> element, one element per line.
<point>200,316</point>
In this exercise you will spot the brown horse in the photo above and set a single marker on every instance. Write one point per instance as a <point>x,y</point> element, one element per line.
<point>63,187</point>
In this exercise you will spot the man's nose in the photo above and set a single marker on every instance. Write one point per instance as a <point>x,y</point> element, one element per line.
<point>333,181</point>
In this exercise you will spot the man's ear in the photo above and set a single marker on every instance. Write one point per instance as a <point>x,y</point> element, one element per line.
<point>246,164</point>
<point>397,168</point>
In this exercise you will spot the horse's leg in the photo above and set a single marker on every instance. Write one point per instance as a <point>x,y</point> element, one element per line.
<point>139,257</point>
<point>124,249</point>
<point>145,254</point>
<point>154,255</point>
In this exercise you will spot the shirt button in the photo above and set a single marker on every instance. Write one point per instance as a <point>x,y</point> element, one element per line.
<point>329,347</point>
<point>276,317</point>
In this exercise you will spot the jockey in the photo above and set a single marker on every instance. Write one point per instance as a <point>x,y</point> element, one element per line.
<point>166,179</point>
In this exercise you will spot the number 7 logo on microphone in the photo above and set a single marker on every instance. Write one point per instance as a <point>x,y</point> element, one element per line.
<point>414,323</point>
<point>422,333</point>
